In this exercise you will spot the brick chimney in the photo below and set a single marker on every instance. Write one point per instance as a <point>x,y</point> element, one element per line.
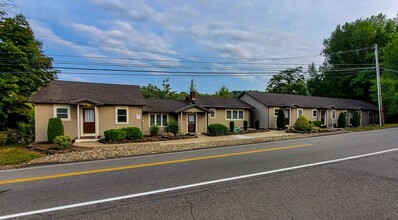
<point>192,96</point>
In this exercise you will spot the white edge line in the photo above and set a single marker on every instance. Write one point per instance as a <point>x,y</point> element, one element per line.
<point>188,186</point>
<point>178,152</point>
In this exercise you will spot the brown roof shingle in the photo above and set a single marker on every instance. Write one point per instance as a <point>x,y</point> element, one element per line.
<point>216,102</point>
<point>284,100</point>
<point>66,92</point>
<point>163,105</point>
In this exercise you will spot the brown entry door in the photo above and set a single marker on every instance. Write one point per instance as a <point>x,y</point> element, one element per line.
<point>191,123</point>
<point>88,121</point>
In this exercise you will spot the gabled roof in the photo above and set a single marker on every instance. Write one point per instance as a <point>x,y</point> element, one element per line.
<point>163,105</point>
<point>191,106</point>
<point>216,102</point>
<point>67,92</point>
<point>284,100</point>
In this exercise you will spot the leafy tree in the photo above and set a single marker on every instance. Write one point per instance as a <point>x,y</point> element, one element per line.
<point>223,93</point>
<point>281,120</point>
<point>152,91</point>
<point>289,81</point>
<point>314,82</point>
<point>23,70</point>
<point>192,87</point>
<point>390,94</point>
<point>356,121</point>
<point>341,121</point>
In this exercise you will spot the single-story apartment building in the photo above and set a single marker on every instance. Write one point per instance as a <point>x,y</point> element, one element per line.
<point>324,109</point>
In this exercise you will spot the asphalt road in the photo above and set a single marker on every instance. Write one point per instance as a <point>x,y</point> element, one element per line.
<point>359,188</point>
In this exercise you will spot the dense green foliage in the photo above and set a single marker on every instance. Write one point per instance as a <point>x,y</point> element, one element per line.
<point>341,121</point>
<point>133,133</point>
<point>317,123</point>
<point>154,130</point>
<point>257,124</point>
<point>245,125</point>
<point>62,142</point>
<point>231,125</point>
<point>217,129</point>
<point>356,121</point>
<point>115,134</point>
<point>24,69</point>
<point>289,81</point>
<point>223,93</point>
<point>172,127</point>
<point>54,128</point>
<point>281,120</point>
<point>302,124</point>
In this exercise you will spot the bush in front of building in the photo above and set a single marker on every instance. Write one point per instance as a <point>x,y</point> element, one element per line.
<point>245,124</point>
<point>115,134</point>
<point>356,120</point>
<point>62,142</point>
<point>133,133</point>
<point>172,126</point>
<point>154,130</point>
<point>281,120</point>
<point>302,124</point>
<point>341,122</point>
<point>231,126</point>
<point>54,128</point>
<point>257,124</point>
<point>317,123</point>
<point>217,129</point>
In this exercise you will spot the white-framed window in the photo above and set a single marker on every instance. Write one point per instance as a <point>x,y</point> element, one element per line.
<point>369,114</point>
<point>158,119</point>
<point>299,112</point>
<point>314,112</point>
<point>276,112</point>
<point>234,114</point>
<point>122,115</point>
<point>333,114</point>
<point>212,113</point>
<point>62,112</point>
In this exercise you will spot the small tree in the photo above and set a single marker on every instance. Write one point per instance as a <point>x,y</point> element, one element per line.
<point>341,122</point>
<point>355,120</point>
<point>172,127</point>
<point>54,128</point>
<point>245,124</point>
<point>231,126</point>
<point>257,124</point>
<point>281,120</point>
<point>302,124</point>
<point>154,130</point>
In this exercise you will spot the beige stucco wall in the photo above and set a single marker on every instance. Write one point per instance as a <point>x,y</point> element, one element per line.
<point>221,118</point>
<point>146,121</point>
<point>107,118</point>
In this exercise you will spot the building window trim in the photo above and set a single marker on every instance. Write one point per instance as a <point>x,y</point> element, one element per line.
<point>276,112</point>
<point>232,114</point>
<point>212,113</point>
<point>67,107</point>
<point>333,114</point>
<point>117,115</point>
<point>300,110</point>
<point>155,121</point>
<point>316,113</point>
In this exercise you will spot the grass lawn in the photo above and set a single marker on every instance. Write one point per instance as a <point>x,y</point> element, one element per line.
<point>16,154</point>
<point>372,127</point>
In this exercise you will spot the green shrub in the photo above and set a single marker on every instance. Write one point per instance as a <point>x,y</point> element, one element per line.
<point>62,142</point>
<point>172,127</point>
<point>217,129</point>
<point>302,124</point>
<point>54,128</point>
<point>317,123</point>
<point>133,133</point>
<point>245,125</point>
<point>341,122</point>
<point>115,134</point>
<point>257,124</point>
<point>154,130</point>
<point>356,120</point>
<point>281,120</point>
<point>231,126</point>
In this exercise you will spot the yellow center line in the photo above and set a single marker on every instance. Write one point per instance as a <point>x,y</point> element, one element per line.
<point>3,182</point>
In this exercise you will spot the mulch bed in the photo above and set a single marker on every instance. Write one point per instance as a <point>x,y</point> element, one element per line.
<point>48,148</point>
<point>241,132</point>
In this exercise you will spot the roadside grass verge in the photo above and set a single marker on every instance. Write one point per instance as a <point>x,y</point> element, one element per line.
<point>16,154</point>
<point>372,127</point>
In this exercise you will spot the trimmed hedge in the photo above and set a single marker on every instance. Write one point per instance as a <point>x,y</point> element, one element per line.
<point>317,123</point>
<point>115,134</point>
<point>62,142</point>
<point>245,124</point>
<point>54,128</point>
<point>356,120</point>
<point>281,120</point>
<point>231,126</point>
<point>133,133</point>
<point>257,124</point>
<point>341,122</point>
<point>154,130</point>
<point>217,129</point>
<point>172,127</point>
<point>302,124</point>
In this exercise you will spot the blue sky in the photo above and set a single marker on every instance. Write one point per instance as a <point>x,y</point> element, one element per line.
<point>160,36</point>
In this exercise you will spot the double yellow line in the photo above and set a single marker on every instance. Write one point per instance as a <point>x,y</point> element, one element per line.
<point>3,182</point>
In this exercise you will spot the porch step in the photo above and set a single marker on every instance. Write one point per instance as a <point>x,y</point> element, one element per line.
<point>87,140</point>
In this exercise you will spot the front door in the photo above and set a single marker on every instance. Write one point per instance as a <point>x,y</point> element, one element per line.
<point>287,116</point>
<point>323,116</point>
<point>191,123</point>
<point>88,121</point>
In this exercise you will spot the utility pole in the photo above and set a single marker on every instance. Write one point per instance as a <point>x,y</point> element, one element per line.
<point>379,95</point>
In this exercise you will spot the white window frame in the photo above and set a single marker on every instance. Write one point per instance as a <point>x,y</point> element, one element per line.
<point>276,112</point>
<point>302,112</point>
<point>316,113</point>
<point>56,107</point>
<point>237,114</point>
<point>333,114</point>
<point>161,120</point>
<point>116,115</point>
<point>212,111</point>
